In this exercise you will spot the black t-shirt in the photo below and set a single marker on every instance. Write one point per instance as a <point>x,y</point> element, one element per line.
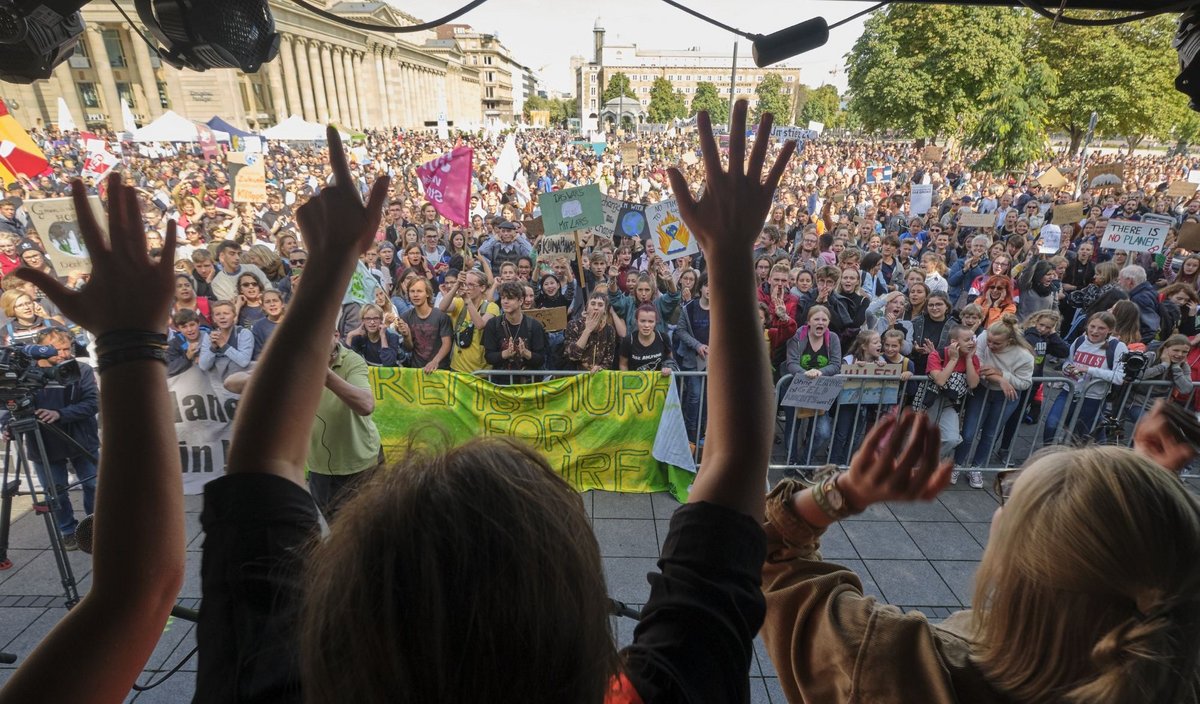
<point>427,334</point>
<point>694,642</point>
<point>645,358</point>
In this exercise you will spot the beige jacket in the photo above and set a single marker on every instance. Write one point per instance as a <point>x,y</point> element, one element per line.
<point>830,644</point>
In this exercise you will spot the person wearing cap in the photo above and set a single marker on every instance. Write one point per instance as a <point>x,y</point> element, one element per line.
<point>506,246</point>
<point>33,257</point>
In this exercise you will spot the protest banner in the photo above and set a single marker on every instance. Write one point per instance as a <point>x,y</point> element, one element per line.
<point>861,389</point>
<point>203,425</point>
<point>799,134</point>
<point>673,239</point>
<point>553,319</point>
<point>1134,236</point>
<point>55,221</point>
<point>571,209</point>
<point>1053,178</point>
<point>99,161</point>
<point>552,246</point>
<point>446,181</point>
<point>879,174</point>
<point>932,153</point>
<point>615,431</point>
<point>973,219</point>
<point>814,394</point>
<point>361,289</point>
<point>248,176</point>
<point>1182,189</point>
<point>920,198</point>
<point>1105,175</point>
<point>1189,236</point>
<point>629,154</point>
<point>1068,213</point>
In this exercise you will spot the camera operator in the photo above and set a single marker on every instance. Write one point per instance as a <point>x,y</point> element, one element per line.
<point>72,409</point>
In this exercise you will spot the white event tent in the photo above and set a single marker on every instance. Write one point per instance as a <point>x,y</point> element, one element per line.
<point>296,129</point>
<point>172,127</point>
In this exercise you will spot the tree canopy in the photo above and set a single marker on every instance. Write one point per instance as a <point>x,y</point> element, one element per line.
<point>1012,129</point>
<point>821,105</point>
<point>772,99</point>
<point>665,103</point>
<point>617,86</point>
<point>707,98</point>
<point>560,110</point>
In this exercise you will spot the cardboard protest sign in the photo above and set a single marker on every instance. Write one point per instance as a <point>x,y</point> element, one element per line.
<point>690,158</point>
<point>1189,236</point>
<point>973,219</point>
<point>58,226</point>
<point>629,153</point>
<point>248,176</point>
<point>553,246</point>
<point>553,319</point>
<point>816,127</point>
<point>1194,176</point>
<point>879,174</point>
<point>672,238</point>
<point>1053,178</point>
<point>861,389</point>
<point>624,218</point>
<point>571,209</point>
<point>533,228</point>
<point>1134,236</point>
<point>1182,189</point>
<point>815,394</point>
<point>932,153</point>
<point>920,198</point>
<point>1069,213</point>
<point>1105,175</point>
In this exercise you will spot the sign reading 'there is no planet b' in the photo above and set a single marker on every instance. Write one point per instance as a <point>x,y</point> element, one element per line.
<point>1134,236</point>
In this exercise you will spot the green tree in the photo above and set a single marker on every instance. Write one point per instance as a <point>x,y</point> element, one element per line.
<point>665,103</point>
<point>617,86</point>
<point>772,99</point>
<point>707,98</point>
<point>822,105</point>
<point>1012,129</point>
<point>923,68</point>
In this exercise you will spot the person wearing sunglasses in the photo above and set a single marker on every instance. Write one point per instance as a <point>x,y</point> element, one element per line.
<point>1088,590</point>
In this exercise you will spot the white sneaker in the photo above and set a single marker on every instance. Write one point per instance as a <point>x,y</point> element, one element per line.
<point>976,480</point>
<point>954,476</point>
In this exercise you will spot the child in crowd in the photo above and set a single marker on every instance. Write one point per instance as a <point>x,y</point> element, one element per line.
<point>852,414</point>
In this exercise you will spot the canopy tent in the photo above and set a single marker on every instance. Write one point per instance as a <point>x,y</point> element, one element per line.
<point>171,127</point>
<point>295,129</point>
<point>220,125</point>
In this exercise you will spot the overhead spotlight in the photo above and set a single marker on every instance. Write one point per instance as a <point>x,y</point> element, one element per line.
<point>36,36</point>
<point>786,43</point>
<point>204,34</point>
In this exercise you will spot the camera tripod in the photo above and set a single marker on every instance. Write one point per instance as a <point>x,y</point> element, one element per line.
<point>25,430</point>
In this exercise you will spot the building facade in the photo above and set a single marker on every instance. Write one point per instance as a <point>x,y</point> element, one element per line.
<point>685,69</point>
<point>501,77</point>
<point>325,72</point>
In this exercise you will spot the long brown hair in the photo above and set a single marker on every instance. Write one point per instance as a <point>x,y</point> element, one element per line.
<point>471,575</point>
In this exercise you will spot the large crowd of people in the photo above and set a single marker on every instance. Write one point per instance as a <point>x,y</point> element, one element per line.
<point>472,573</point>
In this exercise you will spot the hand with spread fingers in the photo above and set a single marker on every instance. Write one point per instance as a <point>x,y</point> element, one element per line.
<point>126,289</point>
<point>898,461</point>
<point>735,200</point>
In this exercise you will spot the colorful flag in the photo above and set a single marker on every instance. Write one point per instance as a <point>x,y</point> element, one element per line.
<point>19,155</point>
<point>208,142</point>
<point>99,161</point>
<point>446,181</point>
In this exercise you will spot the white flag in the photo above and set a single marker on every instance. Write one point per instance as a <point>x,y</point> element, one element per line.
<point>127,116</point>
<point>65,121</point>
<point>99,161</point>
<point>508,164</point>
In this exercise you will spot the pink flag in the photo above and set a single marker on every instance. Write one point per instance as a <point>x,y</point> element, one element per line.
<point>208,142</point>
<point>447,184</point>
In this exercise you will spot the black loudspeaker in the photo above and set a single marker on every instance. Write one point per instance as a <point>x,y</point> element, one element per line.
<point>204,34</point>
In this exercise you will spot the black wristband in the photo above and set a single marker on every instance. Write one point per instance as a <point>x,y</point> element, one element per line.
<point>116,341</point>
<point>108,360</point>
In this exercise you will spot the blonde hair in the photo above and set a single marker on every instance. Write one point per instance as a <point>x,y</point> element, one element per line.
<point>1051,315</point>
<point>1008,325</point>
<point>1089,590</point>
<point>8,301</point>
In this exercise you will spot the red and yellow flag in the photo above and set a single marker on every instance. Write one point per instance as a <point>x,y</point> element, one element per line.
<point>18,152</point>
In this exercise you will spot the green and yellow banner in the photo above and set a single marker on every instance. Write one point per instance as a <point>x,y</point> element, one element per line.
<point>615,431</point>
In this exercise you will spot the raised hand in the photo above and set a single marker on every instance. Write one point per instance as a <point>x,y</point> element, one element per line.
<point>336,226</point>
<point>126,290</point>
<point>735,201</point>
<point>898,461</point>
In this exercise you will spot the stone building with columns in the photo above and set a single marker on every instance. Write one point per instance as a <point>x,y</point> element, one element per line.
<point>325,72</point>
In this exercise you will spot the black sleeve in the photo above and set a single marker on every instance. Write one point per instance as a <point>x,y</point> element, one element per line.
<point>694,642</point>
<point>255,528</point>
<point>537,345</point>
<point>491,343</point>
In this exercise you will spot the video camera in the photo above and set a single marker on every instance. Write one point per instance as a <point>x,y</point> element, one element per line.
<point>1135,364</point>
<point>21,375</point>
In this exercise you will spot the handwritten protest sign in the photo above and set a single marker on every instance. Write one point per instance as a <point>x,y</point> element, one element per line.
<point>879,174</point>
<point>799,134</point>
<point>249,177</point>
<point>553,246</point>
<point>1105,175</point>
<point>861,389</point>
<point>571,209</point>
<point>1134,236</point>
<point>624,218</point>
<point>1068,213</point>
<point>553,319</point>
<point>673,239</point>
<point>1189,236</point>
<point>976,219</point>
<point>1049,239</point>
<point>58,226</point>
<point>1182,189</point>
<point>814,394</point>
<point>921,198</point>
<point>1053,178</point>
<point>629,153</point>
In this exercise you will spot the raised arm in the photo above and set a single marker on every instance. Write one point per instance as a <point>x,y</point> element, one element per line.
<point>336,227</point>
<point>139,538</point>
<point>726,220</point>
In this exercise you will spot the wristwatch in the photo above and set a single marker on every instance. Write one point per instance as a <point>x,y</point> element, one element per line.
<point>830,500</point>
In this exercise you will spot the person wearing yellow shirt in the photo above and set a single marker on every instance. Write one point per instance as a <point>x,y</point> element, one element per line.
<point>469,318</point>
